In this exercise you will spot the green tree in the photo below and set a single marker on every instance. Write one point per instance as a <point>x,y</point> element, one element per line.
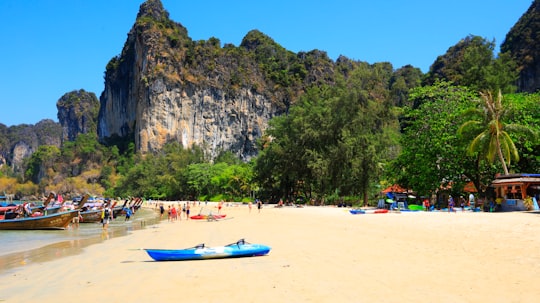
<point>472,63</point>
<point>491,134</point>
<point>525,110</point>
<point>432,154</point>
<point>42,163</point>
<point>332,141</point>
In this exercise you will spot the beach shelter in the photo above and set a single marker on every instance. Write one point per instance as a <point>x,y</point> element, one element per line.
<point>394,189</point>
<point>396,196</point>
<point>470,188</point>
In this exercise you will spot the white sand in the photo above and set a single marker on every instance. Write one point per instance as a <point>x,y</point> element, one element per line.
<point>318,255</point>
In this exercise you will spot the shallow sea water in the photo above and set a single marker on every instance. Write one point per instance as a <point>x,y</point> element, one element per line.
<point>21,247</point>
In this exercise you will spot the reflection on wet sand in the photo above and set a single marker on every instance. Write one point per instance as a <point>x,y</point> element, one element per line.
<point>73,246</point>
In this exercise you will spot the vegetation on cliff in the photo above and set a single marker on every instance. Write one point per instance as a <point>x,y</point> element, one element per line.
<point>522,45</point>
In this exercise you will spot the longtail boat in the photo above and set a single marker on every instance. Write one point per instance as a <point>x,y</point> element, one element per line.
<point>89,215</point>
<point>46,209</point>
<point>53,221</point>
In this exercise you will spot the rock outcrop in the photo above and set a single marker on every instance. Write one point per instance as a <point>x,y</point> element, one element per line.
<point>165,87</point>
<point>21,141</point>
<point>77,113</point>
<point>523,43</point>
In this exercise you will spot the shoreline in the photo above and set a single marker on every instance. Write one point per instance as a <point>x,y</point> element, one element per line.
<point>319,254</point>
<point>72,243</point>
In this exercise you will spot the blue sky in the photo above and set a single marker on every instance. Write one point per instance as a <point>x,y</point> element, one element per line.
<point>51,47</point>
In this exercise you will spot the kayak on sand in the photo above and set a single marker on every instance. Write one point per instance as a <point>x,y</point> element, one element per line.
<point>206,217</point>
<point>361,211</point>
<point>238,249</point>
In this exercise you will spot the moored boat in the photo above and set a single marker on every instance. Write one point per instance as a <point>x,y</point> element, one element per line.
<point>53,221</point>
<point>91,216</point>
<point>200,252</point>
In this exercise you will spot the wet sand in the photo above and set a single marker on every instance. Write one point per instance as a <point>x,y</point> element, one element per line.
<point>319,254</point>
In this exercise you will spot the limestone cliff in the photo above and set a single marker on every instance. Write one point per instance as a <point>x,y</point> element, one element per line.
<point>165,87</point>
<point>20,141</point>
<point>523,43</point>
<point>77,113</point>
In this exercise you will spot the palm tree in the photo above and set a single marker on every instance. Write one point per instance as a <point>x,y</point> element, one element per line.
<point>491,135</point>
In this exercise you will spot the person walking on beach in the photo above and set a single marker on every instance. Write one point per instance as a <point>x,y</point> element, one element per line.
<point>161,211</point>
<point>471,201</point>
<point>187,211</point>
<point>451,204</point>
<point>426,204</point>
<point>183,211</point>
<point>462,203</point>
<point>259,205</point>
<point>250,205</point>
<point>128,213</point>
<point>173,213</point>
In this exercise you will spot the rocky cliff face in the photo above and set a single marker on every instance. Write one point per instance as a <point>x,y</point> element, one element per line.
<point>522,42</point>
<point>21,141</point>
<point>77,113</point>
<point>165,87</point>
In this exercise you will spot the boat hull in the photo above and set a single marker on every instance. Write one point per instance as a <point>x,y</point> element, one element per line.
<point>53,221</point>
<point>91,216</point>
<point>203,253</point>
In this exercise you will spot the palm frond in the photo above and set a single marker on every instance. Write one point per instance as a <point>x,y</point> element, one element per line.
<point>510,149</point>
<point>478,143</point>
<point>492,149</point>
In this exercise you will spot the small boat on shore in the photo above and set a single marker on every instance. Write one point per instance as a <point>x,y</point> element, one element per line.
<point>58,220</point>
<point>91,216</point>
<point>200,252</point>
<point>208,217</point>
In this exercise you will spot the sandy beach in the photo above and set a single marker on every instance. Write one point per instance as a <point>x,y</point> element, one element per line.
<point>319,254</point>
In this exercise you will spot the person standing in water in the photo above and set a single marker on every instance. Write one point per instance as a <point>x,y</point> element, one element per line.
<point>106,216</point>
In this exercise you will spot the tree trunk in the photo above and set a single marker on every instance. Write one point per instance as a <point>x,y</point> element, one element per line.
<point>501,157</point>
<point>365,198</point>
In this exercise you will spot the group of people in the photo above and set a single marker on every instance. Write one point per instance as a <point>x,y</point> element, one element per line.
<point>174,213</point>
<point>452,204</point>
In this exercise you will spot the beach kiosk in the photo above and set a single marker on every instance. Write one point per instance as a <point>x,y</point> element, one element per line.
<point>513,189</point>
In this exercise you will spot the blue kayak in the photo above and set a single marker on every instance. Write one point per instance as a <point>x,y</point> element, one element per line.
<point>200,252</point>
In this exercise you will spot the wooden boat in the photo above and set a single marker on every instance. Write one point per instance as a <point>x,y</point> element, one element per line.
<point>47,209</point>
<point>53,221</point>
<point>5,209</point>
<point>88,215</point>
<point>200,252</point>
<point>91,216</point>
